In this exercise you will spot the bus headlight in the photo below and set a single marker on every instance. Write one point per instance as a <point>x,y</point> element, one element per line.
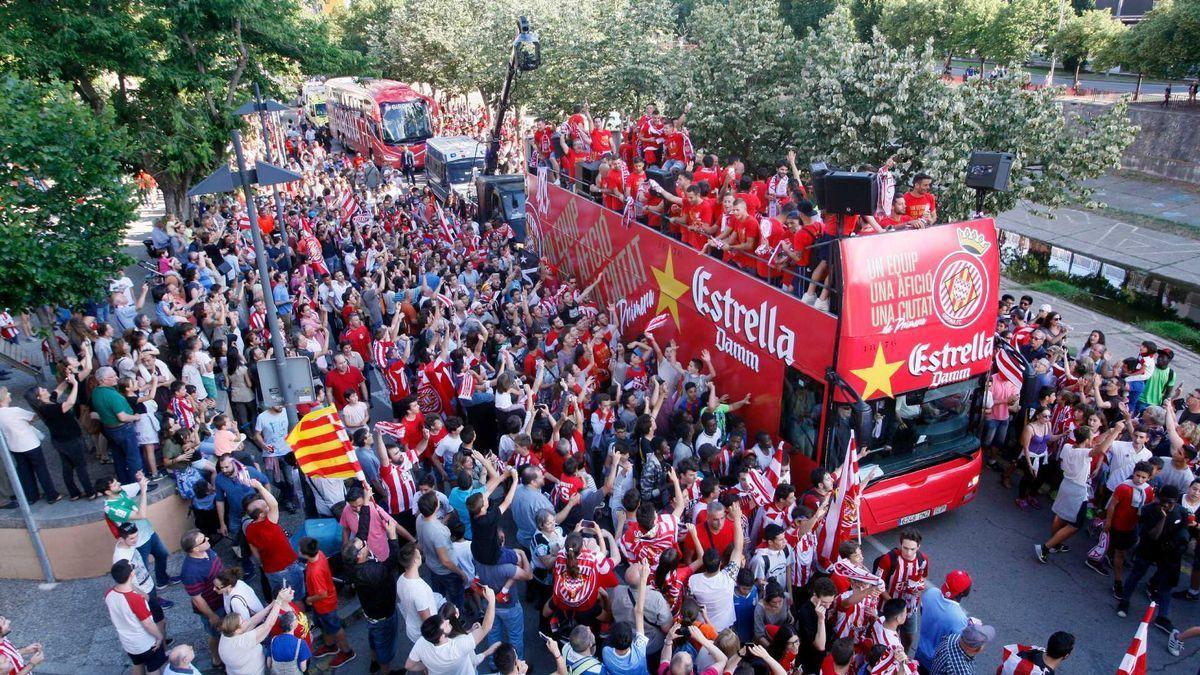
<point>973,483</point>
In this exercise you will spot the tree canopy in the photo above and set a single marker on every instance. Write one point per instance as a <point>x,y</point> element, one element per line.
<point>64,209</point>
<point>171,70</point>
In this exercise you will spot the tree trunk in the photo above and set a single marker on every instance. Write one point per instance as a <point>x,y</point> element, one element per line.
<point>1137,89</point>
<point>982,66</point>
<point>47,318</point>
<point>1078,65</point>
<point>949,58</point>
<point>175,198</point>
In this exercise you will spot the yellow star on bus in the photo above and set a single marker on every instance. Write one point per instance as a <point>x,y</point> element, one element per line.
<point>670,289</point>
<point>878,376</point>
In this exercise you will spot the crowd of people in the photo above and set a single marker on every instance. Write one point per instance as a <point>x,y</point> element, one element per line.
<point>1112,439</point>
<point>528,459</point>
<point>761,220</point>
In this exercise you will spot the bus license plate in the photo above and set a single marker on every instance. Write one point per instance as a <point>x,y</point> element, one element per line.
<point>915,517</point>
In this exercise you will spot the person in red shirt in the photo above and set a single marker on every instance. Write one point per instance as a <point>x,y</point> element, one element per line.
<point>543,142</point>
<point>580,126</point>
<point>636,188</point>
<point>323,598</point>
<point>745,235</point>
<point>577,153</point>
<point>695,218</point>
<point>342,378</point>
<point>708,172</point>
<point>1121,521</point>
<point>808,250</point>
<point>920,202</point>
<point>772,234</point>
<point>899,218</point>
<point>358,336</point>
<point>269,543</point>
<point>602,142</point>
<point>746,194</point>
<point>677,147</point>
<point>715,530</point>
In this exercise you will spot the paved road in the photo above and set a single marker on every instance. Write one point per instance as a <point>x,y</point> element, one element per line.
<point>1150,90</point>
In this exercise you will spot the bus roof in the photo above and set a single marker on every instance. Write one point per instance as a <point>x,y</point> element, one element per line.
<point>383,91</point>
<point>456,147</point>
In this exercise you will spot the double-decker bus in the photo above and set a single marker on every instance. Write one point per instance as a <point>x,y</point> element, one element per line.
<point>904,362</point>
<point>380,119</point>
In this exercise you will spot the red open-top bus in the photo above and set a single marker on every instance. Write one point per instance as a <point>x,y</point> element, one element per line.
<point>380,118</point>
<point>915,342</point>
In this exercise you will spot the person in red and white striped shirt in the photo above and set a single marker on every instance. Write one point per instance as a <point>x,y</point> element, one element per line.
<point>885,631</point>
<point>904,571</point>
<point>20,661</point>
<point>579,573</point>
<point>396,464</point>
<point>651,532</point>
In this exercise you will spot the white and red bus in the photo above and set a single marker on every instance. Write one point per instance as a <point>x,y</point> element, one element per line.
<point>380,119</point>
<point>914,341</point>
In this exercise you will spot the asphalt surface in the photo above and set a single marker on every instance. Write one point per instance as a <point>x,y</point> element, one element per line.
<point>1151,89</point>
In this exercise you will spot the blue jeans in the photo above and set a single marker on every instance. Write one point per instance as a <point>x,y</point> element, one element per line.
<point>155,547</point>
<point>994,431</point>
<point>1162,594</point>
<point>381,635</point>
<point>450,586</point>
<point>125,451</point>
<point>509,627</point>
<point>293,575</point>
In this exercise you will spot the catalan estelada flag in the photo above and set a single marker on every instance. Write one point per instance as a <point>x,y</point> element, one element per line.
<point>322,447</point>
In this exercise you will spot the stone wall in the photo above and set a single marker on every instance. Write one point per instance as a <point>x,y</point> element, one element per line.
<point>1168,145</point>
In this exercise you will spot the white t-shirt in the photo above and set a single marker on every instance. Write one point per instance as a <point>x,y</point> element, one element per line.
<point>141,576</point>
<point>191,375</point>
<point>703,439</point>
<point>1076,463</point>
<point>413,596</point>
<point>447,446</point>
<point>715,595</point>
<point>242,655</point>
<point>1121,460</point>
<point>16,425</point>
<point>127,611</point>
<point>455,656</point>
<point>274,428</point>
<point>241,600</point>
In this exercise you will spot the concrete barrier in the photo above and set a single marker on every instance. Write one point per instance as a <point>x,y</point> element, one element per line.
<point>1168,145</point>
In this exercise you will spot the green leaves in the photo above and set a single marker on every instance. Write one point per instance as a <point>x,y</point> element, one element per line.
<point>64,209</point>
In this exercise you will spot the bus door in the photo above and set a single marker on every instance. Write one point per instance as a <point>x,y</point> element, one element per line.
<point>800,420</point>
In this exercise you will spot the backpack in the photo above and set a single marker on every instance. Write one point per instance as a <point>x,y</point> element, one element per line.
<point>186,480</point>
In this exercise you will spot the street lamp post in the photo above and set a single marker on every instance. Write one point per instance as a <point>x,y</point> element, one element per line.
<point>258,105</point>
<point>224,180</point>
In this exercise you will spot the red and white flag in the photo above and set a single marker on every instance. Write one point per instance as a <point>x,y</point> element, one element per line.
<point>1013,664</point>
<point>1021,336</point>
<point>1010,363</point>
<point>466,387</point>
<point>444,299</point>
<point>349,206</point>
<point>656,323</point>
<point>842,521</point>
<point>1134,661</point>
<point>444,230</point>
<point>393,429</point>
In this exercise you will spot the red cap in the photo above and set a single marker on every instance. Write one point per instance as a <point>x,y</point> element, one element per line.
<point>957,583</point>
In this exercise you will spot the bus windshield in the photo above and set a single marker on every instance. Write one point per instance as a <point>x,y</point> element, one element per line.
<point>460,173</point>
<point>406,122</point>
<point>923,427</point>
<point>319,108</point>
